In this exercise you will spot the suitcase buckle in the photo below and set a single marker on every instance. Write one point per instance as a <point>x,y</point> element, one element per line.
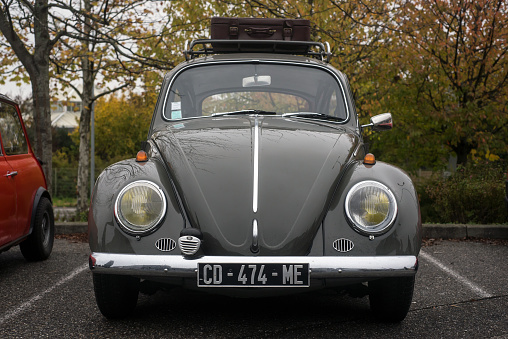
<point>233,31</point>
<point>288,32</point>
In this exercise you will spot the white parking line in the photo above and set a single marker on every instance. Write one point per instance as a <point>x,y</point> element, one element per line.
<point>472,286</point>
<point>39,296</point>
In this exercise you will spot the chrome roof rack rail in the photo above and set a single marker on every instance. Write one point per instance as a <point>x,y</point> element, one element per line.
<point>316,50</point>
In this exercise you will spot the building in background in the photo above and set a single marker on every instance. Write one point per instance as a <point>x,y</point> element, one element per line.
<point>66,111</point>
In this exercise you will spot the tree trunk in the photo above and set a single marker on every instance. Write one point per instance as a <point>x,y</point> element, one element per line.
<point>84,121</point>
<point>40,92</point>
<point>42,120</point>
<point>37,66</point>
<point>462,150</point>
<point>84,156</point>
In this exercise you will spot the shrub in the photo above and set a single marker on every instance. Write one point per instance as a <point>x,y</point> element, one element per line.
<point>427,210</point>
<point>473,194</point>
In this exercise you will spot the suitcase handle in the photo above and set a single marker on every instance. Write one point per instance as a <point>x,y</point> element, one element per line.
<point>260,31</point>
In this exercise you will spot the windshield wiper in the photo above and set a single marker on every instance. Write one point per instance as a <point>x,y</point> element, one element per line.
<point>313,115</point>
<point>245,111</point>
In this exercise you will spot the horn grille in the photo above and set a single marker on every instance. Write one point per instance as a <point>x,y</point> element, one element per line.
<point>343,245</point>
<point>189,245</point>
<point>165,244</point>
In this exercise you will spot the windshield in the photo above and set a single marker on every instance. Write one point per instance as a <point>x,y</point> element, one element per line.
<point>281,88</point>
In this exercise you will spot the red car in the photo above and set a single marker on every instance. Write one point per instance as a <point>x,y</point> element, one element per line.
<point>26,211</point>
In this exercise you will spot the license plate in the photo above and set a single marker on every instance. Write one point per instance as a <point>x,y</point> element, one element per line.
<point>253,275</point>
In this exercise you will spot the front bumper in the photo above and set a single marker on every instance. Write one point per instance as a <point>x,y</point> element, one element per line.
<point>176,266</point>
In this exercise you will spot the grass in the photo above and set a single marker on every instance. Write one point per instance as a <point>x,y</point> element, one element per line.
<point>64,202</point>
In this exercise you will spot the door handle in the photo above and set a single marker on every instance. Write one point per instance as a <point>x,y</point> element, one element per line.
<point>11,174</point>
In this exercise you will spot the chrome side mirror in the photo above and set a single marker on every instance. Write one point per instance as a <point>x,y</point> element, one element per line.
<point>380,122</point>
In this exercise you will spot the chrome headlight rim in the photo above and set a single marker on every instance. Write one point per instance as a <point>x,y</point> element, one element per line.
<point>125,225</point>
<point>384,225</point>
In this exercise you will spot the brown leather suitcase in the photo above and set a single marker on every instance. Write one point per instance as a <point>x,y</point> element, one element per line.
<point>260,29</point>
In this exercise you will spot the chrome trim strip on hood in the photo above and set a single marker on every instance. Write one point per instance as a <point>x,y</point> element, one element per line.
<point>255,235</point>
<point>320,267</point>
<point>256,167</point>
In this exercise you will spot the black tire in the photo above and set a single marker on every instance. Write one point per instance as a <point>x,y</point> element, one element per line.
<point>39,244</point>
<point>116,295</point>
<point>390,298</point>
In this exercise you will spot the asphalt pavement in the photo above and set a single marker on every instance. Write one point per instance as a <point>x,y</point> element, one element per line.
<point>460,292</point>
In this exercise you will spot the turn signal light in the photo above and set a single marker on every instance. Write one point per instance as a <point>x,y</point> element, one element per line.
<point>141,156</point>
<point>369,159</point>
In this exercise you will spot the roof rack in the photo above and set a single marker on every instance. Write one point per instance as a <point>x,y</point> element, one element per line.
<point>316,50</point>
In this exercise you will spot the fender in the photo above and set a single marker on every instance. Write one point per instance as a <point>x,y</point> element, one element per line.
<point>41,192</point>
<point>105,235</point>
<point>403,237</point>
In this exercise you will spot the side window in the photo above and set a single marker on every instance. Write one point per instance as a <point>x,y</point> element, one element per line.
<point>13,138</point>
<point>335,104</point>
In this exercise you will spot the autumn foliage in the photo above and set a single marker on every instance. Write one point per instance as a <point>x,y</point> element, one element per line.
<point>454,69</point>
<point>439,66</point>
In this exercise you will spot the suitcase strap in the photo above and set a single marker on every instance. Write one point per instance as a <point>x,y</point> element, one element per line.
<point>288,33</point>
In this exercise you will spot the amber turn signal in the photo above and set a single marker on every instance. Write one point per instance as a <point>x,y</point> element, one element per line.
<point>369,159</point>
<point>141,156</point>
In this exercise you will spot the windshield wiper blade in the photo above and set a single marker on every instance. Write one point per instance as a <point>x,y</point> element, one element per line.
<point>313,115</point>
<point>245,111</point>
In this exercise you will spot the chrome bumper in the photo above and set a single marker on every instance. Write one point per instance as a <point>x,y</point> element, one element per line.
<point>320,267</point>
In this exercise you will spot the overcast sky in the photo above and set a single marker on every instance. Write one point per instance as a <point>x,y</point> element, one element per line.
<point>11,90</point>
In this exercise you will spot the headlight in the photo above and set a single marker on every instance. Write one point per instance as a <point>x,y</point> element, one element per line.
<point>371,207</point>
<point>140,207</point>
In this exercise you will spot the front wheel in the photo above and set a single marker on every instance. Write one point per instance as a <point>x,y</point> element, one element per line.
<point>116,295</point>
<point>39,244</point>
<point>390,298</point>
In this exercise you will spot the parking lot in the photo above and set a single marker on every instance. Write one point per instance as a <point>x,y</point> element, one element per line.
<point>461,292</point>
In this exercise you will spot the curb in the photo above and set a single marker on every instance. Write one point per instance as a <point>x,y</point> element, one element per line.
<point>458,231</point>
<point>70,227</point>
<point>436,231</point>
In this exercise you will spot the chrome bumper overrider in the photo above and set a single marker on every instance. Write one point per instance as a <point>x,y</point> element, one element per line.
<point>320,267</point>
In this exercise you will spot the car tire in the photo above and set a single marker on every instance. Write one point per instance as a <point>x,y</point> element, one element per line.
<point>390,298</point>
<point>39,244</point>
<point>116,295</point>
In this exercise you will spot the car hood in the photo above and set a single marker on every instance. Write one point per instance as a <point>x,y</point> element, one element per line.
<point>214,162</point>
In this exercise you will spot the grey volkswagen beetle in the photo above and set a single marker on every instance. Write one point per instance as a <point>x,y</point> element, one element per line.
<point>254,181</point>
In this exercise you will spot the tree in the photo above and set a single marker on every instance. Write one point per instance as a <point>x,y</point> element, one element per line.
<point>454,59</point>
<point>18,20</point>
<point>108,42</point>
<point>118,114</point>
<point>92,40</point>
<point>85,56</point>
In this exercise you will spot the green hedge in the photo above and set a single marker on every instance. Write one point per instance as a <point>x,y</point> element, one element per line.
<point>473,194</point>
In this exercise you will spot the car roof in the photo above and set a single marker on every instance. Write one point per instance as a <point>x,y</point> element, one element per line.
<point>6,98</point>
<point>252,57</point>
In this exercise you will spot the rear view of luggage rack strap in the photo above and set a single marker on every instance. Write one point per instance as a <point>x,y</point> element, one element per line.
<point>316,50</point>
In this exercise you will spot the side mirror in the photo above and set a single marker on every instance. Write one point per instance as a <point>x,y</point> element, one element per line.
<point>381,122</point>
